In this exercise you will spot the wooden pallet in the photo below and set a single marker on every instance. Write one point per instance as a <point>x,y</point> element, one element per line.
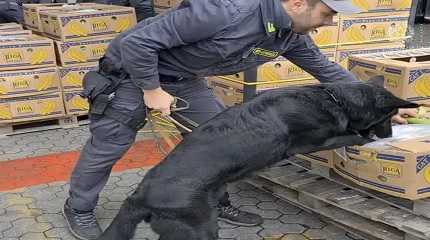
<point>69,121</point>
<point>342,204</point>
<point>418,207</point>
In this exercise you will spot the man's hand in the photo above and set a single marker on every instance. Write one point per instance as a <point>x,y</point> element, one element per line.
<point>158,99</point>
<point>403,113</point>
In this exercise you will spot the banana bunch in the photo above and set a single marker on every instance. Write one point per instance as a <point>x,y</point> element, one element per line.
<point>74,79</point>
<point>48,107</point>
<point>5,112</point>
<point>422,86</point>
<point>39,56</point>
<point>3,90</point>
<point>404,4</point>
<point>78,29</point>
<point>80,103</point>
<point>76,55</point>
<point>45,83</point>
<point>401,31</point>
<point>268,74</point>
<point>354,34</point>
<point>363,4</point>
<point>423,116</point>
<point>122,25</point>
<point>324,37</point>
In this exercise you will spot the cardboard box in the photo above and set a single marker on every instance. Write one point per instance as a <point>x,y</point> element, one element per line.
<point>98,21</point>
<point>28,82</point>
<point>10,27</point>
<point>32,12</point>
<point>231,93</point>
<point>327,35</point>
<point>166,3</point>
<point>26,53</point>
<point>383,5</point>
<point>71,77</point>
<point>400,169</point>
<point>405,79</point>
<point>282,69</point>
<point>16,34</point>
<point>22,109</point>
<point>371,27</point>
<point>323,158</point>
<point>344,52</point>
<point>75,104</point>
<point>75,53</point>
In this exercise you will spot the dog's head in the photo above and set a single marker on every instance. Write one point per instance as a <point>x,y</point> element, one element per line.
<point>369,107</point>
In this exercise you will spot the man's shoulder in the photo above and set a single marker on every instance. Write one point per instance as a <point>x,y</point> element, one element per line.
<point>240,5</point>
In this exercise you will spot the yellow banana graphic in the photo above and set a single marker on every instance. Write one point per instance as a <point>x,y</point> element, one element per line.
<point>74,79</point>
<point>80,103</point>
<point>77,29</point>
<point>77,55</point>
<point>363,4</point>
<point>3,90</point>
<point>268,74</point>
<point>122,25</point>
<point>401,31</point>
<point>45,83</point>
<point>5,112</point>
<point>354,34</point>
<point>404,4</point>
<point>48,107</point>
<point>422,87</point>
<point>39,56</point>
<point>323,38</point>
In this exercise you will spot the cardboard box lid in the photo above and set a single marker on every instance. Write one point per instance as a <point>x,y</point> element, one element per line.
<point>22,39</point>
<point>400,58</point>
<point>88,10</point>
<point>48,6</point>
<point>390,14</point>
<point>413,145</point>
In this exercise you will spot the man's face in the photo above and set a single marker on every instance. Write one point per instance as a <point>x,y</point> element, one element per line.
<point>306,18</point>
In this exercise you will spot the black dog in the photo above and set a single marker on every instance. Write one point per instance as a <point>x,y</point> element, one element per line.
<point>177,197</point>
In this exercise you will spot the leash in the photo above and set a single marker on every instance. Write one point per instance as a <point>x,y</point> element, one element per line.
<point>165,127</point>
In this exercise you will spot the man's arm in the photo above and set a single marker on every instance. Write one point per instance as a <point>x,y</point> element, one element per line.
<point>193,21</point>
<point>305,54</point>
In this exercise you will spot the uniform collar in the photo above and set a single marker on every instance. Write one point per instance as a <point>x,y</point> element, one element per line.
<point>274,16</point>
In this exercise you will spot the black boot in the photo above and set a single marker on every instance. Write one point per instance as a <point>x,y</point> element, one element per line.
<point>232,215</point>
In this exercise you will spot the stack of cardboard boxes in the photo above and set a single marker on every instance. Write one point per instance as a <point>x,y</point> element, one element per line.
<point>380,27</point>
<point>29,84</point>
<point>41,70</point>
<point>81,34</point>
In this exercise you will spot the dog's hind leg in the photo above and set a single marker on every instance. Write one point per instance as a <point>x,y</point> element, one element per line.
<point>124,224</point>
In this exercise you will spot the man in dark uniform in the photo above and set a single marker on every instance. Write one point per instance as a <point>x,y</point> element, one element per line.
<point>169,55</point>
<point>11,11</point>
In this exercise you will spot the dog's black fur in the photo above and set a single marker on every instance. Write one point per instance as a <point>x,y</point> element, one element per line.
<point>177,197</point>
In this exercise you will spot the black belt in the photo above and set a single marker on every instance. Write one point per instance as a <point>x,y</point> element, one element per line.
<point>167,78</point>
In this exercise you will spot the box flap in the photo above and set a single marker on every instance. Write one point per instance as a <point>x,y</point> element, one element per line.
<point>413,145</point>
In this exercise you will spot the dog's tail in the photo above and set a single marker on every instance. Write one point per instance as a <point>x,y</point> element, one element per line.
<point>124,224</point>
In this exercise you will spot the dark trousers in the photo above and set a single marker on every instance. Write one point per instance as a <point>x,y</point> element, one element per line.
<point>110,139</point>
